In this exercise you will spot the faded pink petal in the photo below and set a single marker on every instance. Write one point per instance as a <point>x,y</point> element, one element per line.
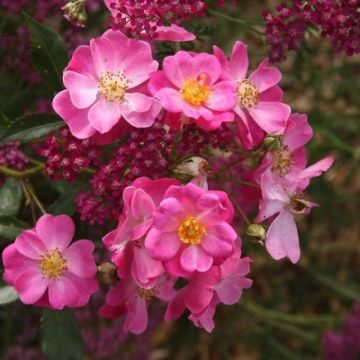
<point>239,61</point>
<point>223,96</point>
<point>265,77</point>
<point>137,316</point>
<point>282,238</point>
<point>173,33</point>
<point>162,246</point>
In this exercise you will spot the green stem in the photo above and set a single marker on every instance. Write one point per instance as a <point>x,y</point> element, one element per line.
<point>20,174</point>
<point>237,181</point>
<point>28,189</point>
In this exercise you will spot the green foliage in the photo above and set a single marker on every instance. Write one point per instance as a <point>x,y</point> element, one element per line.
<point>48,51</point>
<point>31,127</point>
<point>10,197</point>
<point>61,338</point>
<point>11,227</point>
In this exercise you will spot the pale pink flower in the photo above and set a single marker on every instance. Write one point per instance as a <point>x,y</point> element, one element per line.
<point>46,270</point>
<point>220,284</point>
<point>282,239</point>
<point>259,98</point>
<point>289,156</point>
<point>104,85</point>
<point>127,298</point>
<point>126,243</point>
<point>191,229</point>
<point>189,85</point>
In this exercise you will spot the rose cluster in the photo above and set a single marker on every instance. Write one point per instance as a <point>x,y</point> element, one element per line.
<point>176,238</point>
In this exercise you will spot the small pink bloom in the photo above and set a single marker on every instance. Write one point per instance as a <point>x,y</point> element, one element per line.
<point>290,156</point>
<point>282,239</point>
<point>46,270</point>
<point>191,228</point>
<point>126,243</point>
<point>127,298</point>
<point>103,85</point>
<point>220,284</point>
<point>189,85</point>
<point>258,96</point>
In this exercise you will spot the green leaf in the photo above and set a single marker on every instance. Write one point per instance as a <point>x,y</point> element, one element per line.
<point>61,338</point>
<point>8,294</point>
<point>64,204</point>
<point>10,197</point>
<point>30,127</point>
<point>10,227</point>
<point>48,52</point>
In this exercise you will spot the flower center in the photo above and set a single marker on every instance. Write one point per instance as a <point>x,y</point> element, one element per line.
<point>283,159</point>
<point>146,294</point>
<point>113,86</point>
<point>195,90</point>
<point>248,94</point>
<point>191,231</point>
<point>53,264</point>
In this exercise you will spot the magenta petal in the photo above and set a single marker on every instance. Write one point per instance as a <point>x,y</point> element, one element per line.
<point>216,247</point>
<point>273,94</point>
<point>162,246</point>
<point>56,231</point>
<point>158,80</point>
<point>76,119</point>
<point>169,215</point>
<point>223,96</point>
<point>63,292</point>
<point>207,64</point>
<point>239,62</point>
<point>270,116</point>
<point>195,258</point>
<point>82,62</point>
<point>173,33</point>
<point>179,68</point>
<point>82,89</point>
<point>80,260</point>
<point>137,317</point>
<point>103,115</point>
<point>104,55</point>
<point>265,77</point>
<point>300,134</point>
<point>170,99</point>
<point>29,244</point>
<point>282,238</point>
<point>31,286</point>
<point>230,289</point>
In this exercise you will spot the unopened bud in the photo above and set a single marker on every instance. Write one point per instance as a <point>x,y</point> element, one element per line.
<point>75,12</point>
<point>107,273</point>
<point>272,142</point>
<point>257,232</point>
<point>194,166</point>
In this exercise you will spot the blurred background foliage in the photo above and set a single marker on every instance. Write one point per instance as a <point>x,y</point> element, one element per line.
<point>285,313</point>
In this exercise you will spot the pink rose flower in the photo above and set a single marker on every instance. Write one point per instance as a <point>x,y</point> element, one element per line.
<point>126,243</point>
<point>127,298</point>
<point>259,99</point>
<point>46,270</point>
<point>103,83</point>
<point>220,284</point>
<point>290,155</point>
<point>189,85</point>
<point>191,229</point>
<point>282,239</point>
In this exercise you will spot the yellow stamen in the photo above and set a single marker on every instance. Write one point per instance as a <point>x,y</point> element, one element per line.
<point>283,159</point>
<point>195,90</point>
<point>113,86</point>
<point>53,264</point>
<point>146,294</point>
<point>191,231</point>
<point>248,94</point>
